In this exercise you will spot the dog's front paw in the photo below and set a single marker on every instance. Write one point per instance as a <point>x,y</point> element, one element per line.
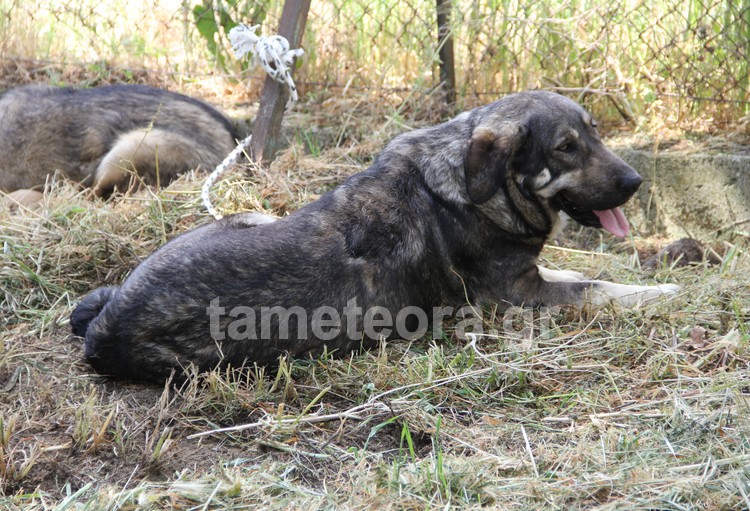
<point>653,293</point>
<point>628,295</point>
<point>561,275</point>
<point>669,290</point>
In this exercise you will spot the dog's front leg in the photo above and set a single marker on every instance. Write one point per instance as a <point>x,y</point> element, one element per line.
<point>569,287</point>
<point>602,293</point>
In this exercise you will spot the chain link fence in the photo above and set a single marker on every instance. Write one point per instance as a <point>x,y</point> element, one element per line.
<point>690,56</point>
<point>686,60</point>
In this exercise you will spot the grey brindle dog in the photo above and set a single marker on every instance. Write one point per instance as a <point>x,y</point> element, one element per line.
<point>105,137</point>
<point>448,214</point>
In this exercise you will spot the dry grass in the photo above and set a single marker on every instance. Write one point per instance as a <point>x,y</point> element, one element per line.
<point>616,409</point>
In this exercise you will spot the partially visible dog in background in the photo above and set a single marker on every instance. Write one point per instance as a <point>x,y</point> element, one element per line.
<point>106,138</point>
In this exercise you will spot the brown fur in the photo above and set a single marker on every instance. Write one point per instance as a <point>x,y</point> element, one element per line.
<point>107,136</point>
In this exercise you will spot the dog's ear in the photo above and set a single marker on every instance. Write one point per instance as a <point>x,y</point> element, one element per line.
<point>487,158</point>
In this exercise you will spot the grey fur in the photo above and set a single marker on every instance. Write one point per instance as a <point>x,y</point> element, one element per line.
<point>99,137</point>
<point>446,214</point>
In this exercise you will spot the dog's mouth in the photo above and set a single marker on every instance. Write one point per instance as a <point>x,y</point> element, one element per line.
<point>612,220</point>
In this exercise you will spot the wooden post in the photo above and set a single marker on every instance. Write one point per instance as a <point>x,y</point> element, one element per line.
<point>273,98</point>
<point>445,51</point>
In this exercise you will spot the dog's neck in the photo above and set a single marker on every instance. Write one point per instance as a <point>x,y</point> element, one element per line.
<point>538,218</point>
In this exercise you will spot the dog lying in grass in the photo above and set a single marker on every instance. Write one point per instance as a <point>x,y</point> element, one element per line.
<point>448,215</point>
<point>105,137</point>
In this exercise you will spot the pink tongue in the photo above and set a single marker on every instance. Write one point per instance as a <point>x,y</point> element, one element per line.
<point>614,221</point>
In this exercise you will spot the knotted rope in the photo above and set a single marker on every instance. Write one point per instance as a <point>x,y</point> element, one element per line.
<point>277,60</point>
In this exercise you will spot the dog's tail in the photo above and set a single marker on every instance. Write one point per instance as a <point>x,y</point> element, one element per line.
<point>88,309</point>
<point>93,321</point>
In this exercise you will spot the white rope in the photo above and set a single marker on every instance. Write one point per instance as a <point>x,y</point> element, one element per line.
<point>277,60</point>
<point>272,53</point>
<point>218,171</point>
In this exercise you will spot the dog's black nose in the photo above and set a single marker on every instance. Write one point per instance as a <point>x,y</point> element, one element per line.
<point>630,182</point>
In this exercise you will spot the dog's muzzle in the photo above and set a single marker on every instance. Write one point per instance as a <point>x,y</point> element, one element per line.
<point>607,216</point>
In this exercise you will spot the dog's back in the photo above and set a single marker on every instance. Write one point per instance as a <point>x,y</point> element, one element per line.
<point>100,136</point>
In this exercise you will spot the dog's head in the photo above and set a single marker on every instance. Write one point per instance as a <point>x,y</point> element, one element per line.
<point>542,150</point>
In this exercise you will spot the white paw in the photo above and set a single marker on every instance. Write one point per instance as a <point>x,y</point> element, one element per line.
<point>629,296</point>
<point>561,275</point>
<point>669,289</point>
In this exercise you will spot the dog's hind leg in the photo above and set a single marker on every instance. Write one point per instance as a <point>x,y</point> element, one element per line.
<point>120,162</point>
<point>154,156</point>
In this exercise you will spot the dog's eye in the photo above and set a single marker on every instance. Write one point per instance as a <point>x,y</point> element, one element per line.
<point>566,147</point>
<point>594,124</point>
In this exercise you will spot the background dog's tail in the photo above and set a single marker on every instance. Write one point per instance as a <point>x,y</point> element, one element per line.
<point>88,309</point>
